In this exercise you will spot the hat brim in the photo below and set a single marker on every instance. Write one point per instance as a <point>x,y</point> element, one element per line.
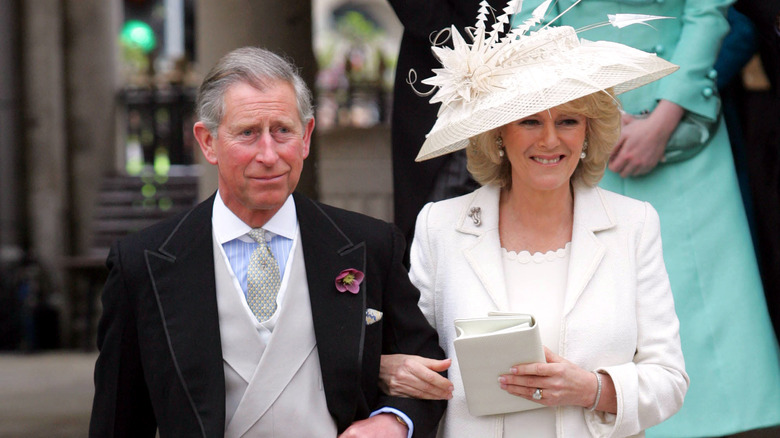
<point>589,68</point>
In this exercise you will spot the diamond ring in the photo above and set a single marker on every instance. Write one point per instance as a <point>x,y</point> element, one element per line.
<point>537,394</point>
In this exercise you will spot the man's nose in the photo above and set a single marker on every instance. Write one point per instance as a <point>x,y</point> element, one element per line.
<point>266,149</point>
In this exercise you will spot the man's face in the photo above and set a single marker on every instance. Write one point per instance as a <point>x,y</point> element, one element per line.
<point>259,149</point>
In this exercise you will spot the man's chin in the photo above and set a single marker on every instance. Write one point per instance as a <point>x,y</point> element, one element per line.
<point>268,202</point>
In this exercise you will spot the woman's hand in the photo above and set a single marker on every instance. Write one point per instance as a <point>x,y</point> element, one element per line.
<point>562,384</point>
<point>405,375</point>
<point>643,141</point>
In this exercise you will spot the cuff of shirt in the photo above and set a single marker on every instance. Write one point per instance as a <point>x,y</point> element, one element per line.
<point>407,420</point>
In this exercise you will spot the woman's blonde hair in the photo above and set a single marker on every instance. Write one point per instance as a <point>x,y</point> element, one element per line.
<point>602,111</point>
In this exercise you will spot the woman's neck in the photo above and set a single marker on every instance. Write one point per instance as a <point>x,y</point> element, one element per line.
<point>535,221</point>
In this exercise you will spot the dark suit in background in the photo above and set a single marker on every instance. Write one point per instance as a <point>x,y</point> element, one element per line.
<point>414,183</point>
<point>760,111</point>
<point>764,14</point>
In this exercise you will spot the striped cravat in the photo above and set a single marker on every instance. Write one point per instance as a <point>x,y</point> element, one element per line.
<point>262,278</point>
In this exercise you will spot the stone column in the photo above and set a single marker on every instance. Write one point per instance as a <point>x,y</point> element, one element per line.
<point>11,185</point>
<point>91,30</point>
<point>283,26</point>
<point>45,134</point>
<point>12,240</point>
<point>68,58</point>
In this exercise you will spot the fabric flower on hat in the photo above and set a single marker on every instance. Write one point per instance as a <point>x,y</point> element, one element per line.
<point>466,73</point>
<point>470,70</point>
<point>349,280</point>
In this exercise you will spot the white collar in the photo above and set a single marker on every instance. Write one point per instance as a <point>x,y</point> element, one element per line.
<point>227,226</point>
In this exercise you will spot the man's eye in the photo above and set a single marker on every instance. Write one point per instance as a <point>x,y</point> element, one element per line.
<point>247,132</point>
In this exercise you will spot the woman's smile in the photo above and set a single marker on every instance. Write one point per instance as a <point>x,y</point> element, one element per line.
<point>548,160</point>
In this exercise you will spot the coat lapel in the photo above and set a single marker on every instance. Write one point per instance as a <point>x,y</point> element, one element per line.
<point>591,214</point>
<point>182,276</point>
<point>339,318</point>
<point>484,255</point>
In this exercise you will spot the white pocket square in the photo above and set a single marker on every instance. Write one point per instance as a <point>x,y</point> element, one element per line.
<point>372,316</point>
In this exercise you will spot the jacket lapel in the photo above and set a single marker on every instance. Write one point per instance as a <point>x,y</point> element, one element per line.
<point>339,318</point>
<point>484,255</point>
<point>591,214</point>
<point>183,282</point>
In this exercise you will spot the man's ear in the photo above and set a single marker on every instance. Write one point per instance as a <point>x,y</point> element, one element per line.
<point>307,134</point>
<point>206,141</point>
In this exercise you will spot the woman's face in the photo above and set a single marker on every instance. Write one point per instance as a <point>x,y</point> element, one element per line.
<point>544,149</point>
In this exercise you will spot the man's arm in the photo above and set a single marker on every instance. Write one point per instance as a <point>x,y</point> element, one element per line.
<point>377,248</point>
<point>382,425</point>
<point>121,406</point>
<point>407,331</point>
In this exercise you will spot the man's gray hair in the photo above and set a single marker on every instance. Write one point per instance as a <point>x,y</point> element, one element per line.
<point>256,67</point>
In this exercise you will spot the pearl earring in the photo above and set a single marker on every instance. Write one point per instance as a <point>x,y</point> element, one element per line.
<point>500,144</point>
<point>584,150</point>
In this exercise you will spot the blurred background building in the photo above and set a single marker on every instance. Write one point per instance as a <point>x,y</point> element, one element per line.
<point>96,114</point>
<point>96,110</point>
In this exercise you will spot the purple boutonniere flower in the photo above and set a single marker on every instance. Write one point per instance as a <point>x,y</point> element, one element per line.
<point>349,280</point>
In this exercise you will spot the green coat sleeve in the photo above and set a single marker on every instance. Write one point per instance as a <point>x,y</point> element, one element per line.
<point>703,27</point>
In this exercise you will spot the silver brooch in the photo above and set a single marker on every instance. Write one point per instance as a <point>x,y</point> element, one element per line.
<point>474,214</point>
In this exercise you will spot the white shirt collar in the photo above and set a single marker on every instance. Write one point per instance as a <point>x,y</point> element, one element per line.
<point>227,226</point>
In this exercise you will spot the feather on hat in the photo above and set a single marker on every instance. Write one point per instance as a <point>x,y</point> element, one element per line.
<point>502,77</point>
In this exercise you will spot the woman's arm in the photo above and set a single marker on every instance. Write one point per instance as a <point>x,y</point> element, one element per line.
<point>651,388</point>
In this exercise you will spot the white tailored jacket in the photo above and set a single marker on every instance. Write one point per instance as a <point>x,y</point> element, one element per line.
<point>618,314</point>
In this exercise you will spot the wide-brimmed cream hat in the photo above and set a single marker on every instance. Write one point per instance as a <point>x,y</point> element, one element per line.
<point>497,79</point>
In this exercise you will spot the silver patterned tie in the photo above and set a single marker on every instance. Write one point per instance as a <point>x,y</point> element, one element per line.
<point>262,278</point>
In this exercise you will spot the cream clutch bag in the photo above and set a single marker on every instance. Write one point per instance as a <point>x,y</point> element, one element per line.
<point>487,348</point>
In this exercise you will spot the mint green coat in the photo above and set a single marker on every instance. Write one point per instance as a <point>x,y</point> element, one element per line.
<point>730,350</point>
